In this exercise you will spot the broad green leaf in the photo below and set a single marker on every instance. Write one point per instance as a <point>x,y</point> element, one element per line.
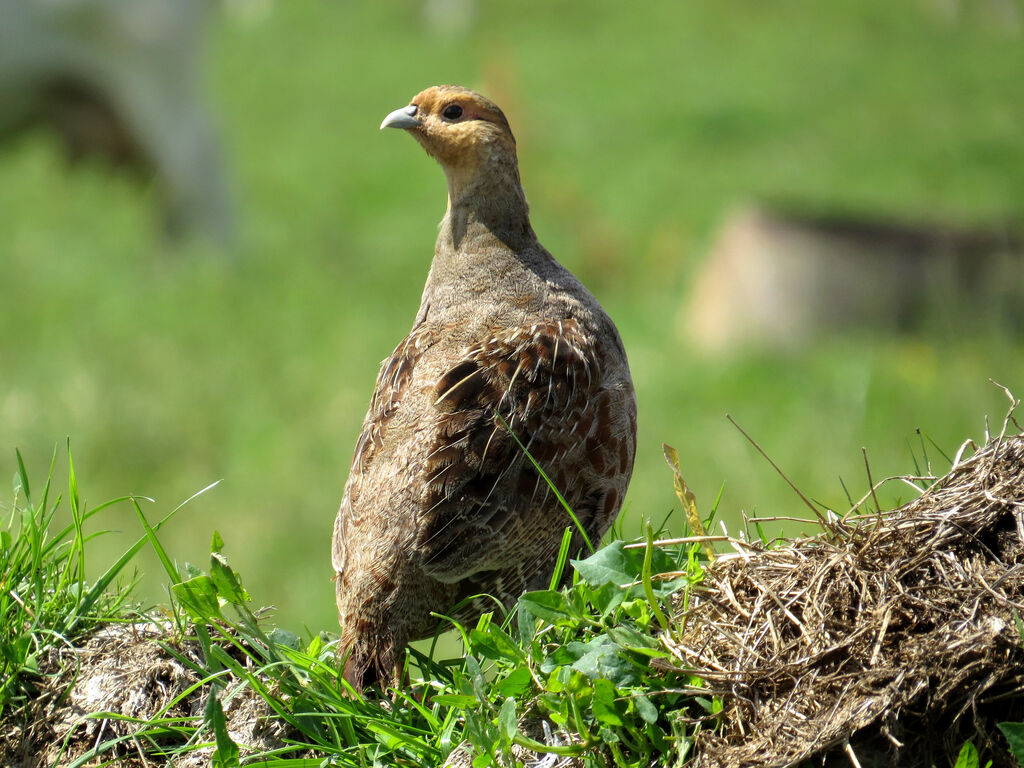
<point>603,660</point>
<point>493,643</point>
<point>607,598</point>
<point>665,587</point>
<point>1014,733</point>
<point>228,584</point>
<point>198,597</point>
<point>639,610</point>
<point>287,639</point>
<point>31,664</point>
<point>568,679</point>
<point>614,564</point>
<point>658,737</point>
<point>518,683</point>
<point>316,644</point>
<point>647,711</point>
<point>507,719</point>
<point>633,640</point>
<point>17,651</point>
<point>968,757</point>
<point>524,621</point>
<point>609,565</point>
<point>606,708</point>
<point>546,604</point>
<point>563,655</point>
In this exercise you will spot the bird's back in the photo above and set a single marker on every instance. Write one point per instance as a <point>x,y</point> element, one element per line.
<point>442,501</point>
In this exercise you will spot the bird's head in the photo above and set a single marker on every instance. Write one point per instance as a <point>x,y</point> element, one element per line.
<point>461,129</point>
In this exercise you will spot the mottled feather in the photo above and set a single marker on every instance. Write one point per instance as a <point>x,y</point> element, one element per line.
<point>508,351</point>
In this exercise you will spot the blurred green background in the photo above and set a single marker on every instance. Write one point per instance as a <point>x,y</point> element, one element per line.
<point>639,126</point>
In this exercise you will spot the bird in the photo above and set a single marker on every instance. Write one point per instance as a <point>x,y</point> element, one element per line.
<point>512,383</point>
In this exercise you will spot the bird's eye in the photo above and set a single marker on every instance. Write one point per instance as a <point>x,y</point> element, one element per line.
<point>452,112</point>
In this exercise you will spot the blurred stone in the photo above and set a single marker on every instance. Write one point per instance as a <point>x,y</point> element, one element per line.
<point>779,279</point>
<point>120,79</point>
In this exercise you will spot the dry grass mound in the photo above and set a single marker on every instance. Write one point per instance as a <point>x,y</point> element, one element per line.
<point>889,637</point>
<point>107,690</point>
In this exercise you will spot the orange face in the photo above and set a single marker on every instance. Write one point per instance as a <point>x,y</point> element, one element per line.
<point>455,125</point>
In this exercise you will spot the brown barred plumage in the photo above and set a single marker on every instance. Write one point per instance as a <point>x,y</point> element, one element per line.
<point>441,503</point>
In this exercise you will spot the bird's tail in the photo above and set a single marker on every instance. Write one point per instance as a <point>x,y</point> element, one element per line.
<point>367,665</point>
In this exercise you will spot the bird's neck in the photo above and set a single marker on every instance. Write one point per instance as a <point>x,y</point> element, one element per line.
<point>486,203</point>
<point>486,244</point>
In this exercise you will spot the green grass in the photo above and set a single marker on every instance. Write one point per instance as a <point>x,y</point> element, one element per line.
<point>588,661</point>
<point>581,658</point>
<point>45,596</point>
<point>638,126</point>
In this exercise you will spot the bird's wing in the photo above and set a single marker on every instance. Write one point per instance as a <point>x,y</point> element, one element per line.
<point>396,372</point>
<point>486,507</point>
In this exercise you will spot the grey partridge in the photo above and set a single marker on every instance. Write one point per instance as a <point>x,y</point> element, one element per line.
<point>442,504</point>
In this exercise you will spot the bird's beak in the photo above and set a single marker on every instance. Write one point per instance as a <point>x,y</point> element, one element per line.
<point>402,118</point>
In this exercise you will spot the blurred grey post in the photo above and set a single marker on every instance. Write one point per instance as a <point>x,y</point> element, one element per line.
<point>120,79</point>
